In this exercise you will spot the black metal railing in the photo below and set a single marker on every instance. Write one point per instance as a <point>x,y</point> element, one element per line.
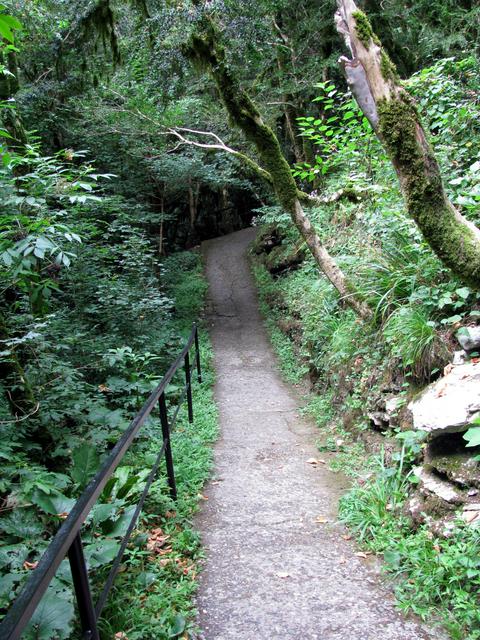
<point>68,541</point>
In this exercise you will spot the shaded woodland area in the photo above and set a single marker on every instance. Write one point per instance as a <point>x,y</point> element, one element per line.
<point>131,131</point>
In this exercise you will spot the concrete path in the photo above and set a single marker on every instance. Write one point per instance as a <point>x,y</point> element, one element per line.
<point>273,571</point>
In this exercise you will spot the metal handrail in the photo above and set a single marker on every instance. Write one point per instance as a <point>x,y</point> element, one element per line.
<point>67,541</point>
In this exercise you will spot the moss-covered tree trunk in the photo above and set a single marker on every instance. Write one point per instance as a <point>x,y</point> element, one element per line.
<point>393,115</point>
<point>206,51</point>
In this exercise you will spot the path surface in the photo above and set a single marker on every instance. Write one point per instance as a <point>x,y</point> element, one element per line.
<point>272,571</point>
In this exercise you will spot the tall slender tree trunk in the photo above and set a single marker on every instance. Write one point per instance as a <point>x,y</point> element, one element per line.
<point>394,117</point>
<point>162,222</point>
<point>206,50</point>
<point>285,60</point>
<point>17,387</point>
<point>8,88</point>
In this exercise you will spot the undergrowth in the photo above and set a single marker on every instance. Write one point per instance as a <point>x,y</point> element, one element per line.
<point>93,390</point>
<point>152,598</point>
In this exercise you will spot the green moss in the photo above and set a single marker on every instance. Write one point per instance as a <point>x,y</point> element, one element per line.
<point>364,29</point>
<point>451,239</point>
<point>206,51</point>
<point>397,120</point>
<point>388,68</point>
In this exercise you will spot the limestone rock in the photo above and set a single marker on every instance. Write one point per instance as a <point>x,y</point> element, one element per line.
<point>430,484</point>
<point>469,338</point>
<point>471,513</point>
<point>450,404</point>
<point>459,357</point>
<point>459,466</point>
<point>392,405</point>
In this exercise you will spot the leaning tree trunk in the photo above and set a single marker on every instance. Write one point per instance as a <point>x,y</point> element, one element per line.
<point>206,50</point>
<point>394,117</point>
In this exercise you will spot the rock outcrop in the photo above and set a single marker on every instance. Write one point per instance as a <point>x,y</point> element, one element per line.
<point>450,404</point>
<point>449,479</point>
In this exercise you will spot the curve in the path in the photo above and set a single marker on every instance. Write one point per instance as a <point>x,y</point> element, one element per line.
<point>273,572</point>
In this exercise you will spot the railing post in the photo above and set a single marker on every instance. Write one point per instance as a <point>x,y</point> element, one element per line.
<point>197,355</point>
<point>188,383</point>
<point>81,584</point>
<point>168,448</point>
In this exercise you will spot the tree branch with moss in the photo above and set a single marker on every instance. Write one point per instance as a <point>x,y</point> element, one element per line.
<point>206,51</point>
<point>393,114</point>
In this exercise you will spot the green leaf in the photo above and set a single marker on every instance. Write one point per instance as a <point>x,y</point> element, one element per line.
<point>13,556</point>
<point>5,30</point>
<point>472,436</point>
<point>52,618</point>
<point>85,464</point>
<point>12,22</point>
<point>21,523</point>
<point>392,558</point>
<point>54,504</point>
<point>463,292</point>
<point>101,552</point>
<point>178,626</point>
<point>7,584</point>
<point>121,525</point>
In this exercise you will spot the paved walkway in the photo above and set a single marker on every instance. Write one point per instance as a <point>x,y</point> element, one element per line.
<point>273,572</point>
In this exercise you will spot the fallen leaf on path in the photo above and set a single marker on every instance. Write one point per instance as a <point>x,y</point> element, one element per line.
<point>201,496</point>
<point>315,461</point>
<point>321,520</point>
<point>362,554</point>
<point>283,574</point>
<point>347,537</point>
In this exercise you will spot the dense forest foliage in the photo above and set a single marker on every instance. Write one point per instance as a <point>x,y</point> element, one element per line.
<point>132,131</point>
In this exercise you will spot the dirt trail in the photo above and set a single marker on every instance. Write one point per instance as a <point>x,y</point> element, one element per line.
<point>272,572</point>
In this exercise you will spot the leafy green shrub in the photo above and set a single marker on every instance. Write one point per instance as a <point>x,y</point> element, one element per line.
<point>403,264</point>
<point>184,279</point>
<point>373,509</point>
<point>412,337</point>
